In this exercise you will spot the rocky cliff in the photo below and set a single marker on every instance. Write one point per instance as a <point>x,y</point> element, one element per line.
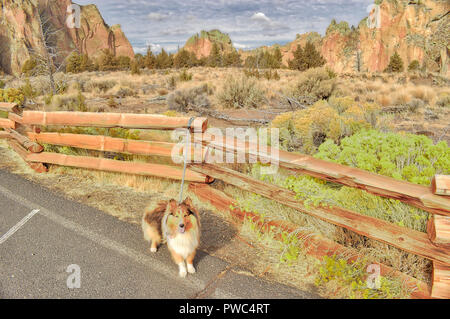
<point>201,44</point>
<point>20,32</point>
<point>417,30</point>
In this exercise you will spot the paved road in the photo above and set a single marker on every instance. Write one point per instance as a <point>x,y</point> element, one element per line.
<point>114,260</point>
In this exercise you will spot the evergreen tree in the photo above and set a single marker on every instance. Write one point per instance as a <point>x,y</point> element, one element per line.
<point>150,59</point>
<point>395,63</point>
<point>140,60</point>
<point>232,59</point>
<point>297,63</point>
<point>306,58</point>
<point>414,66</point>
<point>107,61</point>
<point>182,59</point>
<point>163,60</point>
<point>277,58</point>
<point>313,58</point>
<point>215,57</point>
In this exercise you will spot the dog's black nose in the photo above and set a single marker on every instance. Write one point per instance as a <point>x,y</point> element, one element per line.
<point>181,225</point>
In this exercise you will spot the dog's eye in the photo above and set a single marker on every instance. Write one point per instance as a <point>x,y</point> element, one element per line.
<point>190,212</point>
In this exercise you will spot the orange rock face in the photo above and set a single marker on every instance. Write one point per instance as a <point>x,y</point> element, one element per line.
<point>417,30</point>
<point>20,32</point>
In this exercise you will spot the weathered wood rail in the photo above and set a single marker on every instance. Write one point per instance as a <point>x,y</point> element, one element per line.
<point>23,132</point>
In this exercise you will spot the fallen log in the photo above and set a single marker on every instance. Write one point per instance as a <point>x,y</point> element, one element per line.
<point>441,185</point>
<point>409,240</point>
<point>25,141</point>
<point>102,164</point>
<point>9,107</point>
<point>6,123</point>
<point>109,144</point>
<point>23,153</point>
<point>441,281</point>
<point>438,229</point>
<point>108,120</point>
<point>313,244</point>
<point>409,193</point>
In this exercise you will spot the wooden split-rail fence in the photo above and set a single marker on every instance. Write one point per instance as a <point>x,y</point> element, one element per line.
<point>23,131</point>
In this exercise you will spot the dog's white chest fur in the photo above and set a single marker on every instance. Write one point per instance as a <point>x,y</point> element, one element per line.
<point>183,244</point>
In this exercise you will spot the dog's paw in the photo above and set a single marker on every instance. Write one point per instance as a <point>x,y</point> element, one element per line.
<point>183,271</point>
<point>153,250</point>
<point>190,269</point>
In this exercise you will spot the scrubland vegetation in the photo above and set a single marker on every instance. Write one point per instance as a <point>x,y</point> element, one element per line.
<point>393,124</point>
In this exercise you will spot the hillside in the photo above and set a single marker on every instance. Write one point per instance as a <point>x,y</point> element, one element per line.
<point>202,43</point>
<point>417,30</point>
<point>20,32</point>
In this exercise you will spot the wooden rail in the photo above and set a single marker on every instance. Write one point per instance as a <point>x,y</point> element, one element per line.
<point>7,123</point>
<point>313,244</point>
<point>108,120</point>
<point>108,144</point>
<point>413,194</point>
<point>404,238</point>
<point>434,246</point>
<point>137,168</point>
<point>9,107</point>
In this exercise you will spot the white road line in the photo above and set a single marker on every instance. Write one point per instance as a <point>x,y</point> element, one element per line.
<point>18,226</point>
<point>108,243</point>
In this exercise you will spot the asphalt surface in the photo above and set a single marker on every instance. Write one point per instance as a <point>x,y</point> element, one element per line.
<point>113,259</point>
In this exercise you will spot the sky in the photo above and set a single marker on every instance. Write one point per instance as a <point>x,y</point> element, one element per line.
<point>250,23</point>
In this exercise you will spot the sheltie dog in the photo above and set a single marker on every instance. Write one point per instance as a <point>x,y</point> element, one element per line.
<point>179,226</point>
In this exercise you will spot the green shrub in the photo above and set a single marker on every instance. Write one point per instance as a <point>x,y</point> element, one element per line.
<point>395,64</point>
<point>409,157</point>
<point>305,130</point>
<point>29,66</point>
<point>312,86</point>
<point>186,100</point>
<point>353,275</point>
<point>27,90</point>
<point>12,95</point>
<point>444,101</point>
<point>185,76</point>
<point>2,84</point>
<point>77,63</point>
<point>241,93</point>
<point>414,66</point>
<point>135,68</point>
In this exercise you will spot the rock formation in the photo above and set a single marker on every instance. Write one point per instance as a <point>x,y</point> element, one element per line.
<point>20,32</point>
<point>417,30</point>
<point>201,44</point>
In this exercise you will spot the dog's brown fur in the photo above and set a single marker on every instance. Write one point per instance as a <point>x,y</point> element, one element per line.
<point>179,225</point>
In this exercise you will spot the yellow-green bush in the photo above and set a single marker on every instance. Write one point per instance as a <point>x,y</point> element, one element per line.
<point>353,276</point>
<point>12,95</point>
<point>305,130</point>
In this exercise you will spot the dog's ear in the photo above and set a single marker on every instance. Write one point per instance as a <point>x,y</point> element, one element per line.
<point>172,206</point>
<point>188,202</point>
<point>190,206</point>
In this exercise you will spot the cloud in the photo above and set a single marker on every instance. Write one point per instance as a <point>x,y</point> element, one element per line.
<point>250,23</point>
<point>157,16</point>
<point>261,17</point>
